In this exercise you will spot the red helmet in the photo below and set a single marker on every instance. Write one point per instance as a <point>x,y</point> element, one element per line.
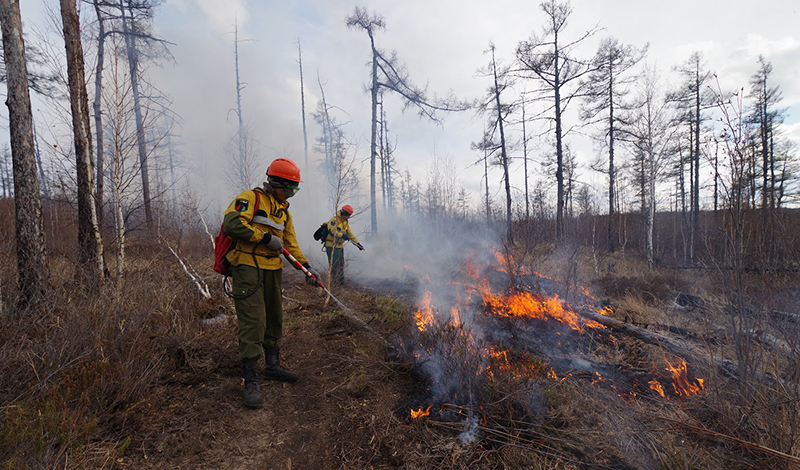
<point>284,168</point>
<point>347,209</point>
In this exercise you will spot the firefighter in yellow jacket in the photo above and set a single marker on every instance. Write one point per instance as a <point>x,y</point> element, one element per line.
<point>339,232</point>
<point>261,233</point>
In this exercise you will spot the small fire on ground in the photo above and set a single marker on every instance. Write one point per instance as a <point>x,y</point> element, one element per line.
<point>681,383</point>
<point>477,296</point>
<point>416,414</point>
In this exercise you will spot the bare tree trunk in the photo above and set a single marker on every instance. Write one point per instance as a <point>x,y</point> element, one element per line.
<point>486,179</point>
<point>90,246</point>
<point>503,153</point>
<point>119,219</point>
<point>560,233</point>
<point>696,207</point>
<point>373,139</point>
<point>611,175</point>
<point>242,176</point>
<point>382,153</point>
<point>6,156</point>
<point>42,178</point>
<point>327,136</point>
<point>525,160</point>
<point>31,256</point>
<point>133,67</point>
<point>98,117</point>
<point>173,182</point>
<point>684,219</point>
<point>303,102</point>
<point>692,182</point>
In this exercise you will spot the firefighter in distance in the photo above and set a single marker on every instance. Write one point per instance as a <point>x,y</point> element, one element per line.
<point>338,233</point>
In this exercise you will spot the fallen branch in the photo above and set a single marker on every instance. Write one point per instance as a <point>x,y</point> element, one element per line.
<point>686,351</point>
<point>191,272</point>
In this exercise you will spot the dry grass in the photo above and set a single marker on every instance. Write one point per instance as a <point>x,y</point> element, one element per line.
<point>72,373</point>
<point>75,378</point>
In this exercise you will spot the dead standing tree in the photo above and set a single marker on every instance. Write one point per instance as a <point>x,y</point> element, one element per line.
<point>303,103</point>
<point>31,256</point>
<point>548,58</point>
<point>499,115</point>
<point>90,246</point>
<point>97,111</point>
<point>691,100</point>
<point>389,74</point>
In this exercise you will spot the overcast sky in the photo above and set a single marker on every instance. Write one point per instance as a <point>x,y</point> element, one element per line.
<point>442,43</point>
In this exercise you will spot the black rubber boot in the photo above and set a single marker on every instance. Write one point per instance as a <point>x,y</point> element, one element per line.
<point>274,370</point>
<point>252,391</point>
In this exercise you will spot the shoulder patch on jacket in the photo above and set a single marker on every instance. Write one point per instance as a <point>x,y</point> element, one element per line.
<point>242,205</point>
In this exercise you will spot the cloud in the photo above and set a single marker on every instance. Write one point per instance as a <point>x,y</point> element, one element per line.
<point>756,45</point>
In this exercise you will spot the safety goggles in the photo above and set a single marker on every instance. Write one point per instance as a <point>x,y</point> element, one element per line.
<point>291,190</point>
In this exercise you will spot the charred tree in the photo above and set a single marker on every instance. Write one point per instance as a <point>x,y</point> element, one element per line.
<point>31,256</point>
<point>386,160</point>
<point>499,113</point>
<point>525,161</point>
<point>90,246</point>
<point>549,59</point>
<point>388,73</point>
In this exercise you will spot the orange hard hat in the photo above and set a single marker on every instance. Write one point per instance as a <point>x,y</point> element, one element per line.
<point>284,168</point>
<point>347,208</point>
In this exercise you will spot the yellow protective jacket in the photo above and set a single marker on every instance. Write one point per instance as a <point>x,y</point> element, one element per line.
<point>339,232</point>
<point>248,225</point>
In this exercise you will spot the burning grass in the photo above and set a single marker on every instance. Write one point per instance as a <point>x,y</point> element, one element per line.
<point>574,392</point>
<point>508,368</point>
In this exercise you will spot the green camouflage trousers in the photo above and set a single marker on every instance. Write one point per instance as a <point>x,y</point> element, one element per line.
<point>260,315</point>
<point>336,264</point>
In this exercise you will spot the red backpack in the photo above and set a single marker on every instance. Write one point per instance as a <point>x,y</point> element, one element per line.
<point>223,244</point>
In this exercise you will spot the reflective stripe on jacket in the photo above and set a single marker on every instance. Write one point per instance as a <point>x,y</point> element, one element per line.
<point>339,232</point>
<point>248,225</point>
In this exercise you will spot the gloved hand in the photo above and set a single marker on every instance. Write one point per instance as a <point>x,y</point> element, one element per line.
<point>274,243</point>
<point>315,280</point>
<point>359,246</point>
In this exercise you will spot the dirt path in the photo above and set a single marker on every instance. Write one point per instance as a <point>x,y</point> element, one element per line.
<point>339,415</point>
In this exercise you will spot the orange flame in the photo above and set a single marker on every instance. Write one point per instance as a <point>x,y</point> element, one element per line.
<point>680,380</point>
<point>528,305</point>
<point>424,315</point>
<point>505,263</point>
<point>524,304</point>
<point>416,414</point>
<point>656,385</point>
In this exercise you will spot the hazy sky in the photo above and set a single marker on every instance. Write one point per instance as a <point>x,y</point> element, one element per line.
<point>442,43</point>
